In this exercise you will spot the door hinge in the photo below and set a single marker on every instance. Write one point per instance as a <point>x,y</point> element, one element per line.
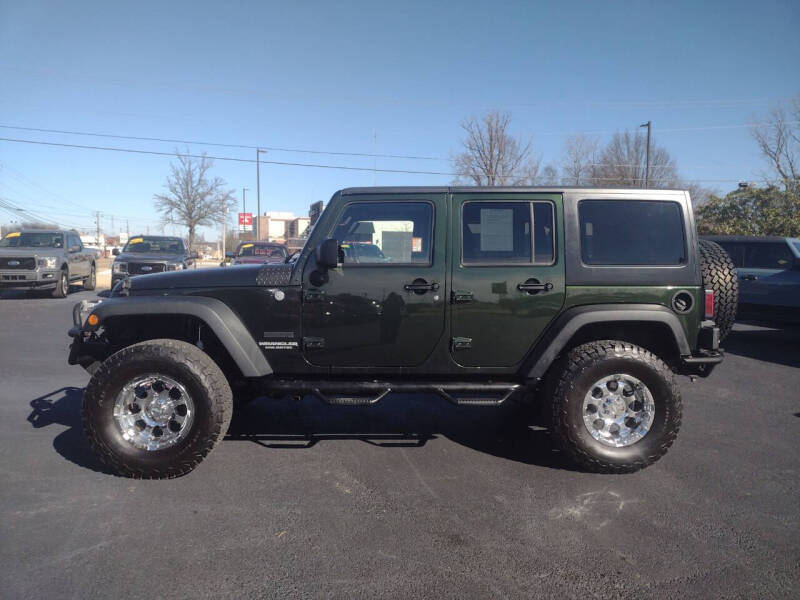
<point>460,297</point>
<point>461,343</point>
<point>313,343</point>
<point>313,295</point>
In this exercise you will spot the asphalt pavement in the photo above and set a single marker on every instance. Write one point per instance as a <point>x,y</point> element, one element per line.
<point>410,498</point>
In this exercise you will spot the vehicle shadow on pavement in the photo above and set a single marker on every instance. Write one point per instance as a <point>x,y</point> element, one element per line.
<point>63,407</point>
<point>511,431</point>
<point>778,344</point>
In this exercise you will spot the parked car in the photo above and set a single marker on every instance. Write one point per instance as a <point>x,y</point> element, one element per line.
<point>258,253</point>
<point>358,252</point>
<point>46,260</point>
<point>769,276</point>
<point>147,254</point>
<point>492,294</point>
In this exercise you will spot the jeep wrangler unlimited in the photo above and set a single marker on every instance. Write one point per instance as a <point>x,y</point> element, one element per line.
<point>589,300</point>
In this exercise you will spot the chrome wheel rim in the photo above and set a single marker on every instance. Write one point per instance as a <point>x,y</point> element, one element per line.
<point>64,283</point>
<point>153,412</point>
<point>618,410</point>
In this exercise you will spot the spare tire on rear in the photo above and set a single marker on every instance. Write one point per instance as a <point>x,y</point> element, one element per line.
<point>719,275</point>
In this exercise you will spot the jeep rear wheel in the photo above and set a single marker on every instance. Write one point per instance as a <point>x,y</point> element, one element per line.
<point>615,406</point>
<point>155,409</point>
<point>719,274</point>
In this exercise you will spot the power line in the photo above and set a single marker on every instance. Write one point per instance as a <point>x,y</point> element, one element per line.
<point>290,164</point>
<point>228,158</point>
<point>220,144</point>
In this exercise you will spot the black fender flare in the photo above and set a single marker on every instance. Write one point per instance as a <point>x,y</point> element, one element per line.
<point>573,319</point>
<point>217,315</point>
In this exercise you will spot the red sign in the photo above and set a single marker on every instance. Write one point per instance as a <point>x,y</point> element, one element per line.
<point>245,221</point>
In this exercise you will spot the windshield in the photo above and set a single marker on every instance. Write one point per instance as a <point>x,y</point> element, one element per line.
<point>262,251</point>
<point>368,250</point>
<point>32,240</point>
<point>152,245</point>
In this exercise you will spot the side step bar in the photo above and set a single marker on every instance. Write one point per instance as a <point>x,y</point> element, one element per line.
<point>348,393</point>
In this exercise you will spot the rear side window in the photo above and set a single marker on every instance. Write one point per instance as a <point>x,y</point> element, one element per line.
<point>768,255</point>
<point>517,232</point>
<point>631,232</point>
<point>736,251</point>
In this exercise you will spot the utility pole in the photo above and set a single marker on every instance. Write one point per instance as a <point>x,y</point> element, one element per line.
<point>224,220</point>
<point>258,191</point>
<point>244,206</point>
<point>113,229</point>
<point>647,155</point>
<point>128,228</point>
<point>97,222</point>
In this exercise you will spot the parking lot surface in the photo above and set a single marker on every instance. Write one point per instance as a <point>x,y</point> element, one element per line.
<point>408,498</point>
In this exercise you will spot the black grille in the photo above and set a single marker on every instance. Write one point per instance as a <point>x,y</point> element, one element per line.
<point>145,268</point>
<point>22,263</point>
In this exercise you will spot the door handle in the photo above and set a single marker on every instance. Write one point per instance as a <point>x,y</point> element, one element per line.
<point>748,277</point>
<point>420,286</point>
<point>532,286</point>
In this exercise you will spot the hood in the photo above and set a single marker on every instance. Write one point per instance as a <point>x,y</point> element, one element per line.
<point>35,251</point>
<point>150,257</point>
<point>241,276</point>
<point>254,260</point>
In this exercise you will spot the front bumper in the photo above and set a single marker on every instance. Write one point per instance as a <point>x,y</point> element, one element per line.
<point>28,279</point>
<point>86,349</point>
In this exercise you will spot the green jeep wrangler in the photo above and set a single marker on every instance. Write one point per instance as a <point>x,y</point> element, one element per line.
<point>586,300</point>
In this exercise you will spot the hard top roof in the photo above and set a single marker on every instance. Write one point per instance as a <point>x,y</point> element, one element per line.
<point>468,189</point>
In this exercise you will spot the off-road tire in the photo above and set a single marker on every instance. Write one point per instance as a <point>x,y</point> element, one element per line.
<point>90,282</point>
<point>719,274</point>
<point>571,378</point>
<point>62,286</point>
<point>181,361</point>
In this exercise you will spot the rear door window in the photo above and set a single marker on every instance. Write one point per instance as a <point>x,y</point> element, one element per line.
<point>507,233</point>
<point>631,232</point>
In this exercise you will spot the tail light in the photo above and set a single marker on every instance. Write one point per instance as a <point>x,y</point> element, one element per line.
<point>709,304</point>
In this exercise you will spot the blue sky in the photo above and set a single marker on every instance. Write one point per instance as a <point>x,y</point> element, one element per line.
<point>372,77</point>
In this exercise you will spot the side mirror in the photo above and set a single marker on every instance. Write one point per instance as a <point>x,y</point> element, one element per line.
<point>115,252</point>
<point>230,255</point>
<point>327,254</point>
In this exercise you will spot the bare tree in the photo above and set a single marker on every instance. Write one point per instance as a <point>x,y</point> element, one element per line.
<point>778,138</point>
<point>579,156</point>
<point>549,176</point>
<point>622,163</point>
<point>193,199</point>
<point>494,157</point>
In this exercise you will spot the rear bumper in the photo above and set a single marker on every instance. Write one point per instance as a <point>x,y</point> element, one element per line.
<point>708,354</point>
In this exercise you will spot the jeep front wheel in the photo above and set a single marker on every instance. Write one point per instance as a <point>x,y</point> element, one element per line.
<point>615,406</point>
<point>155,409</point>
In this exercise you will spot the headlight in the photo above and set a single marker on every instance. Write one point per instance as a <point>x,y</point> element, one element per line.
<point>119,267</point>
<point>48,262</point>
<point>176,267</point>
<point>81,311</point>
